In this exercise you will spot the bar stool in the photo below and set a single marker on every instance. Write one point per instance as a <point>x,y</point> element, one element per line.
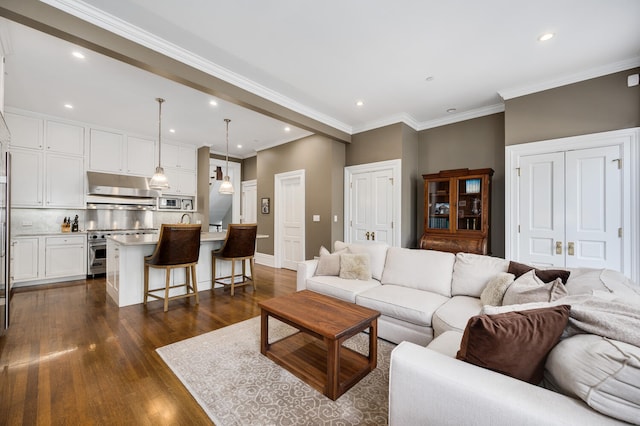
<point>239,244</point>
<point>178,247</point>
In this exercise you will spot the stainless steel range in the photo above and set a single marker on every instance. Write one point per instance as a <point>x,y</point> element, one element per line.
<point>116,205</point>
<point>97,244</point>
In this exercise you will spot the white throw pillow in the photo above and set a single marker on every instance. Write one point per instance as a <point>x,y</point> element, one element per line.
<point>472,272</point>
<point>377,252</point>
<point>420,269</point>
<point>495,289</point>
<point>529,288</point>
<point>603,373</point>
<point>355,266</point>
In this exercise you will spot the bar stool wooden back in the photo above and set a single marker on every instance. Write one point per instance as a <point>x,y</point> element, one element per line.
<point>178,247</point>
<point>239,245</point>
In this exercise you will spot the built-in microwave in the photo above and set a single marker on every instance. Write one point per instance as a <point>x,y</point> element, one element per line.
<point>170,203</point>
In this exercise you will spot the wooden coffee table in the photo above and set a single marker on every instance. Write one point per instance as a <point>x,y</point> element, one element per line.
<point>315,354</point>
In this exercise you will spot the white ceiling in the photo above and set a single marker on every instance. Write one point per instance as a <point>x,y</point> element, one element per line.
<point>320,57</point>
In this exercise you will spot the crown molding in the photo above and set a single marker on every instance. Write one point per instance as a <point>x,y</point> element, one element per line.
<point>393,119</point>
<point>570,79</point>
<point>124,29</point>
<point>462,116</point>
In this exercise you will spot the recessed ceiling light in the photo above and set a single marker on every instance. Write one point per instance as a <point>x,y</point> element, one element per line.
<point>213,103</point>
<point>287,129</point>
<point>172,130</point>
<point>451,110</point>
<point>546,36</point>
<point>68,106</point>
<point>239,146</point>
<point>359,103</point>
<point>78,55</point>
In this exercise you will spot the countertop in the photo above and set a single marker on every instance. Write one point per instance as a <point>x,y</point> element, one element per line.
<point>47,234</point>
<point>134,240</point>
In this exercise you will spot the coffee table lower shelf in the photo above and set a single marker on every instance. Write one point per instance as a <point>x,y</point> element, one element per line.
<point>306,357</point>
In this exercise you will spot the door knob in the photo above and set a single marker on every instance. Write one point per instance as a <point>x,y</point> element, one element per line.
<point>558,247</point>
<point>570,249</point>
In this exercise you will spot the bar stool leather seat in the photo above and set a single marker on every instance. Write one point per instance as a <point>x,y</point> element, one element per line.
<point>239,245</point>
<point>178,247</point>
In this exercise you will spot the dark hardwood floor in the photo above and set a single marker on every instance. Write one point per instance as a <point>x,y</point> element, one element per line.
<point>72,357</point>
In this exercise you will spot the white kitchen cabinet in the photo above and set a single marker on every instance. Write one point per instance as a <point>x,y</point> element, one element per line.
<point>58,183</point>
<point>141,159</point>
<point>25,258</point>
<point>106,151</point>
<point>181,182</point>
<point>26,132</point>
<point>26,178</point>
<point>65,256</point>
<point>64,138</point>
<point>64,186</point>
<point>42,259</point>
<point>179,156</point>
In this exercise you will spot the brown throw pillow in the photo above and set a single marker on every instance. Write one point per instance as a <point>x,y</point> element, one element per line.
<point>514,343</point>
<point>546,275</point>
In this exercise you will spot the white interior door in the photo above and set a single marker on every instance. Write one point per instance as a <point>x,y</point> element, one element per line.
<point>371,200</point>
<point>570,207</point>
<point>541,209</point>
<point>594,208</point>
<point>249,202</point>
<point>289,217</point>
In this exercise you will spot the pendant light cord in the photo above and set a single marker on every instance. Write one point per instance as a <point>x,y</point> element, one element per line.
<point>227,156</point>
<point>160,101</point>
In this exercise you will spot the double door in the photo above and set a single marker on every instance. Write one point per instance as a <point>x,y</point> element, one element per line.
<point>570,208</point>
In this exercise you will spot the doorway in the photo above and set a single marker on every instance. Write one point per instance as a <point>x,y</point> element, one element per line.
<point>289,216</point>
<point>372,202</point>
<point>223,209</point>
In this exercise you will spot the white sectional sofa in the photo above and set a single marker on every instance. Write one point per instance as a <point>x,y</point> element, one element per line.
<point>426,299</point>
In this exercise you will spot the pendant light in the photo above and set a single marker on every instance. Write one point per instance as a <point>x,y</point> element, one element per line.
<point>159,179</point>
<point>226,187</point>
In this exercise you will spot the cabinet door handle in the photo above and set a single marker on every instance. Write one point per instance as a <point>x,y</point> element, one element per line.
<point>367,235</point>
<point>373,236</point>
<point>558,247</point>
<point>570,249</point>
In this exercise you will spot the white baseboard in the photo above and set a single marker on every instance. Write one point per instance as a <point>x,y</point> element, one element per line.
<point>265,259</point>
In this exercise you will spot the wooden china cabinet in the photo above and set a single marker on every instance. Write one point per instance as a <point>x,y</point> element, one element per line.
<point>456,211</point>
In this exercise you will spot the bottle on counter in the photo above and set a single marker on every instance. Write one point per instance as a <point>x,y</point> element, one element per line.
<point>74,225</point>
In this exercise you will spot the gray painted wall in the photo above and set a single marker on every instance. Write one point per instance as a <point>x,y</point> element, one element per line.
<point>591,106</point>
<point>320,157</point>
<point>472,144</point>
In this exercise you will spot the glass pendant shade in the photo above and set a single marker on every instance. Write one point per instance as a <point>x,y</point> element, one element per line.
<point>159,180</point>
<point>226,187</point>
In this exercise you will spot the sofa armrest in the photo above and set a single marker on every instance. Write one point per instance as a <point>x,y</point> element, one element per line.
<point>426,387</point>
<point>306,270</point>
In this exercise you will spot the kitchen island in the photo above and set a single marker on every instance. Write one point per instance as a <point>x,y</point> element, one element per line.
<point>125,266</point>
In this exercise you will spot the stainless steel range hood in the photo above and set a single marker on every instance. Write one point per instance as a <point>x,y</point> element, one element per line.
<point>120,185</point>
<point>112,191</point>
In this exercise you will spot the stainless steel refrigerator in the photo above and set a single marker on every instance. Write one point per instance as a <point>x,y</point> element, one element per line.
<point>5,228</point>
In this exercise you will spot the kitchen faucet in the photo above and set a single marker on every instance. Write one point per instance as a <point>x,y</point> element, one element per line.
<point>188,218</point>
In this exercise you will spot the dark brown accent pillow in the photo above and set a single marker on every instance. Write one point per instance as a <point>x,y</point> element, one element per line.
<point>514,343</point>
<point>546,275</point>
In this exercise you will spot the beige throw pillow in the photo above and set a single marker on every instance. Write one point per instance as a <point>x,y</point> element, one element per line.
<point>355,266</point>
<point>495,289</point>
<point>329,263</point>
<point>529,288</point>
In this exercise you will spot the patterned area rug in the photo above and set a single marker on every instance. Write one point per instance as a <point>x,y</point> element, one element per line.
<point>236,385</point>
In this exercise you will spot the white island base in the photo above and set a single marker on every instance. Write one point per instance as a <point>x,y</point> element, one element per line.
<point>125,266</point>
